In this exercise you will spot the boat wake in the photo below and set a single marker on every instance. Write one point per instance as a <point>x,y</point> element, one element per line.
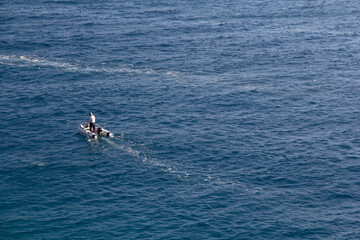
<point>195,80</point>
<point>143,154</point>
<point>34,61</point>
<point>184,173</point>
<point>25,61</point>
<point>125,148</point>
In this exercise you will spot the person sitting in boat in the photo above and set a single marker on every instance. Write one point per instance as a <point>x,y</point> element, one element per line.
<point>92,122</point>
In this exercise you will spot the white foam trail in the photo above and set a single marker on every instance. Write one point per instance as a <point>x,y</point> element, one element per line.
<point>183,175</point>
<point>27,61</point>
<point>127,149</point>
<point>24,61</point>
<point>141,155</point>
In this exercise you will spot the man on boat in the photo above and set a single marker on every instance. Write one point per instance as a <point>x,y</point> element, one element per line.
<point>92,122</point>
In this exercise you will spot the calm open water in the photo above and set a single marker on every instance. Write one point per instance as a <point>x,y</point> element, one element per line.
<point>233,119</point>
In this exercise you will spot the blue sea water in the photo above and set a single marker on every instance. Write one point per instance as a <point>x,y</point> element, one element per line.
<point>232,119</point>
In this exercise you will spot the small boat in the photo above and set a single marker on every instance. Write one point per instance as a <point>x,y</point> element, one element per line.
<point>84,129</point>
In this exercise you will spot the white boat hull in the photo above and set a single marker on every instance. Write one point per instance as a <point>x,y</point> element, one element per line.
<point>84,129</point>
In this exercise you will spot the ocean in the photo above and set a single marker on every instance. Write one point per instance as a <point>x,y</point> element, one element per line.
<point>232,119</point>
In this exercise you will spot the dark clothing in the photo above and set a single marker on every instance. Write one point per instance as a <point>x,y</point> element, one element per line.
<point>92,126</point>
